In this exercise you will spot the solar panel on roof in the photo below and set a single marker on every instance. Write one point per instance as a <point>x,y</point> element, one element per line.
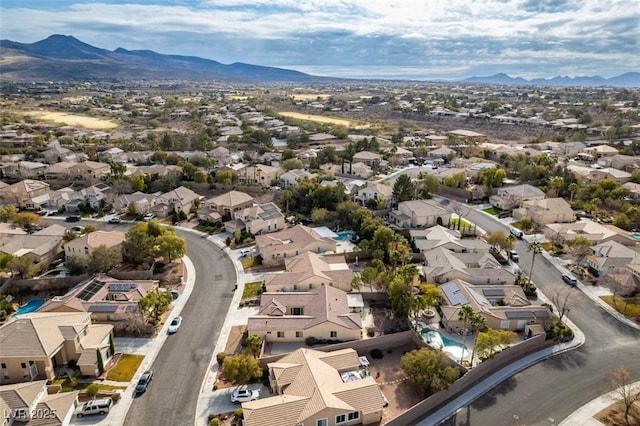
<point>103,308</point>
<point>493,292</point>
<point>90,290</point>
<point>452,291</point>
<point>518,314</point>
<point>122,286</point>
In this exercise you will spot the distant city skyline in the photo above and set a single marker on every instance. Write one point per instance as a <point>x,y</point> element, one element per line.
<point>388,39</point>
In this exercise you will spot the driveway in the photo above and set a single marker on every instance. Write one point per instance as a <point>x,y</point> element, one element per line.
<point>549,391</point>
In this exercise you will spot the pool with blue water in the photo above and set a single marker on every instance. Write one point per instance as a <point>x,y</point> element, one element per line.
<point>343,236</point>
<point>31,306</point>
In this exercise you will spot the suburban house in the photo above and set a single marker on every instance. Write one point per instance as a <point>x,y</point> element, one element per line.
<point>371,159</point>
<point>141,202</point>
<point>24,403</point>
<point>374,191</point>
<point>181,199</point>
<point>259,174</point>
<point>24,170</point>
<point>611,255</point>
<point>503,307</point>
<point>278,246</point>
<point>318,388</point>
<point>595,232</point>
<point>61,170</point>
<point>94,170</point>
<point>619,176</point>
<point>220,154</point>
<point>439,236</point>
<point>602,151</point>
<point>84,245</point>
<point>442,265</point>
<point>40,249</point>
<point>399,156</point>
<point>322,313</point>
<point>229,203</point>
<point>106,299</point>
<point>466,136</point>
<point>59,154</point>
<point>442,152</point>
<point>634,190</point>
<point>514,196</point>
<point>261,218</point>
<point>419,213</point>
<point>361,170</point>
<point>22,193</point>
<point>308,271</point>
<point>292,177</point>
<point>547,210</point>
<point>94,196</point>
<point>34,344</point>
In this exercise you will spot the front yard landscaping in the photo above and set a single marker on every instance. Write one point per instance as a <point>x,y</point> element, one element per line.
<point>630,309</point>
<point>126,368</point>
<point>252,289</point>
<point>492,210</point>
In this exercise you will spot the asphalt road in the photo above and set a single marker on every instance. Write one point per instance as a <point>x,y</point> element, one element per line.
<point>549,391</point>
<point>183,360</point>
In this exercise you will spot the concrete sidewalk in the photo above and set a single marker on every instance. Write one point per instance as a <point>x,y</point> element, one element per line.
<point>583,416</point>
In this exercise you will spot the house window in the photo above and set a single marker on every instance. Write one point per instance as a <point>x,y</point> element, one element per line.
<point>3,365</point>
<point>299,334</point>
<point>334,334</point>
<point>281,334</point>
<point>354,415</point>
<point>310,286</point>
<point>341,418</point>
<point>23,365</point>
<point>297,311</point>
<point>322,422</point>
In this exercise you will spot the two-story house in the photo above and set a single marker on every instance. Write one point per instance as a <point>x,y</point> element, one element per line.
<point>261,218</point>
<point>419,213</point>
<point>308,271</point>
<point>278,246</point>
<point>511,197</point>
<point>84,245</point>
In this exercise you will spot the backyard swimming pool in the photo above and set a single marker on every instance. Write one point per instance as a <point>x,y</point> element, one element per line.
<point>439,341</point>
<point>343,236</point>
<point>31,306</point>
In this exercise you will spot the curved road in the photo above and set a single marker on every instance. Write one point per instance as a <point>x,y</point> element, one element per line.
<point>182,362</point>
<point>547,392</point>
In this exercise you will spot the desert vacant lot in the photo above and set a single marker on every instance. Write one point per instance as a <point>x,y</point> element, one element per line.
<point>310,96</point>
<point>73,120</point>
<point>324,119</point>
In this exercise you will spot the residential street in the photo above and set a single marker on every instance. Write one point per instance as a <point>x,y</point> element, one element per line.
<point>182,362</point>
<point>549,391</point>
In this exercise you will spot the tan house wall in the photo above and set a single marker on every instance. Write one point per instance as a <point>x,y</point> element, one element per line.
<point>16,373</point>
<point>76,248</point>
<point>320,331</point>
<point>277,254</point>
<point>331,413</point>
<point>310,284</point>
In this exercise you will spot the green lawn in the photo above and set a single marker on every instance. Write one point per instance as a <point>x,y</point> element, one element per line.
<point>249,262</point>
<point>629,309</point>
<point>126,368</point>
<point>463,223</point>
<point>82,386</point>
<point>492,210</point>
<point>252,289</point>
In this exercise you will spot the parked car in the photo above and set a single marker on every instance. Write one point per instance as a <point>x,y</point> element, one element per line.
<point>569,280</point>
<point>77,228</point>
<point>175,294</point>
<point>72,219</point>
<point>175,325</point>
<point>517,233</point>
<point>115,220</point>
<point>147,217</point>
<point>143,382</point>
<point>96,406</point>
<point>243,394</point>
<point>514,255</point>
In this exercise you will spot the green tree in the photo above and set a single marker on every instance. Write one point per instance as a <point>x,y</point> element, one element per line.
<point>465,314</point>
<point>241,368</point>
<point>254,344</point>
<point>292,164</point>
<point>103,259</point>
<point>171,247</point>
<point>23,266</point>
<point>488,342</point>
<point>6,307</point>
<point>430,185</point>
<point>8,213</point>
<point>117,170</point>
<point>635,176</point>
<point>92,390</point>
<point>403,188</point>
<point>26,218</point>
<point>155,303</point>
<point>76,265</point>
<point>369,276</point>
<point>138,183</point>
<point>431,294</point>
<point>579,248</point>
<point>622,221</point>
<point>138,245</point>
<point>430,370</point>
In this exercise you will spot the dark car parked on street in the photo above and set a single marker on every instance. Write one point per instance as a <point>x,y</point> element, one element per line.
<point>569,280</point>
<point>73,219</point>
<point>143,382</point>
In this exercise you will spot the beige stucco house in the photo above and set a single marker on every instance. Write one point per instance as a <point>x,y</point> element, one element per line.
<point>514,196</point>
<point>25,404</point>
<point>20,194</point>
<point>322,313</point>
<point>419,213</point>
<point>595,232</point>
<point>259,174</point>
<point>230,202</point>
<point>85,245</point>
<point>308,271</point>
<point>318,389</point>
<point>34,344</point>
<point>261,218</point>
<point>442,265</point>
<point>439,236</point>
<point>548,210</point>
<point>371,159</point>
<point>278,246</point>
<point>181,199</point>
<point>374,191</point>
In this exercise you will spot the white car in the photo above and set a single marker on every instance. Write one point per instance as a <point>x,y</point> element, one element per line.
<point>147,217</point>
<point>242,394</point>
<point>175,325</point>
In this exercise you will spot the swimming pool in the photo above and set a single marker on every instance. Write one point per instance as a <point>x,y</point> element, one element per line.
<point>31,306</point>
<point>342,236</point>
<point>439,341</point>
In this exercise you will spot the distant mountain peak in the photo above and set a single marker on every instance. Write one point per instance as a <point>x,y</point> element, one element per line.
<point>630,79</point>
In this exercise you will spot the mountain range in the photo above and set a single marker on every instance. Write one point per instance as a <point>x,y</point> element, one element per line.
<point>60,58</point>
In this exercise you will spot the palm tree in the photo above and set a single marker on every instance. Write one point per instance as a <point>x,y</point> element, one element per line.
<point>477,323</point>
<point>465,314</point>
<point>535,248</point>
<point>572,188</point>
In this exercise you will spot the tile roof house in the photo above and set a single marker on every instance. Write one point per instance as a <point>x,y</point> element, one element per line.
<point>442,265</point>
<point>276,247</point>
<point>322,313</point>
<point>20,194</point>
<point>611,255</point>
<point>259,174</point>
<point>371,159</point>
<point>61,170</point>
<point>548,210</point>
<point>419,213</point>
<point>587,228</point>
<point>309,270</point>
<point>37,247</point>
<point>84,245</point>
<point>503,307</point>
<point>94,170</point>
<point>106,299</point>
<point>261,218</point>
<point>30,404</point>
<point>318,388</point>
<point>439,236</point>
<point>180,199</point>
<point>230,202</point>
<point>619,176</point>
<point>34,344</point>
<point>513,196</point>
<point>360,170</point>
<point>292,177</point>
<point>374,191</point>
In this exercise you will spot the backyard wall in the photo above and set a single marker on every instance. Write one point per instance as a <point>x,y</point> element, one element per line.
<point>54,286</point>
<point>473,377</point>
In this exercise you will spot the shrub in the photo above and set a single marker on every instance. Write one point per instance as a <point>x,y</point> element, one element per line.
<point>116,397</point>
<point>220,356</point>
<point>214,421</point>
<point>310,341</point>
<point>376,354</point>
<point>92,390</point>
<point>238,414</point>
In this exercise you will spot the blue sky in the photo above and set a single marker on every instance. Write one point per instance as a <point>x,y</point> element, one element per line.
<point>415,39</point>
